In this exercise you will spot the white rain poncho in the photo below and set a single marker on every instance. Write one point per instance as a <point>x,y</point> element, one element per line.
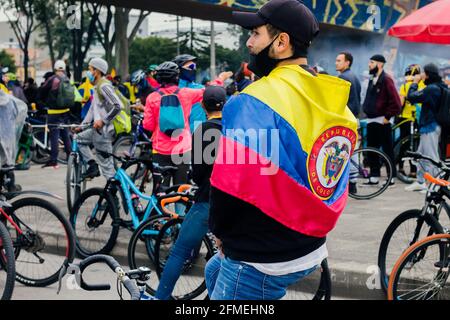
<point>13,113</point>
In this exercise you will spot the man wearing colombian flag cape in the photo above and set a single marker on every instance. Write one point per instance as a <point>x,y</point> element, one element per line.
<point>280,179</point>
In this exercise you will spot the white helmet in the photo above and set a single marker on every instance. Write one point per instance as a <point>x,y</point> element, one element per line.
<point>60,65</point>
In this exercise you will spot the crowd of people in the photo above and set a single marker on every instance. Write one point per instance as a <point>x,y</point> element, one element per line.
<point>267,243</point>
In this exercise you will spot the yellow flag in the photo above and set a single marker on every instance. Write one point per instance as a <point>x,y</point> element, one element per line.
<point>113,73</point>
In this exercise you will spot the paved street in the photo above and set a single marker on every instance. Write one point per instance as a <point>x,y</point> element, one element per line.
<point>353,245</point>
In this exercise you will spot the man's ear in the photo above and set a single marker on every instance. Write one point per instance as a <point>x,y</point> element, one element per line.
<point>283,40</point>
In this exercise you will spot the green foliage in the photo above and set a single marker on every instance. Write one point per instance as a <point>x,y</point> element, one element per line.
<point>154,50</point>
<point>6,60</point>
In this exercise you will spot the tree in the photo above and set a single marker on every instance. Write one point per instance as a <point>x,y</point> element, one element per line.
<point>123,40</point>
<point>105,35</point>
<point>154,50</point>
<point>151,50</point>
<point>23,24</point>
<point>6,60</point>
<point>83,34</point>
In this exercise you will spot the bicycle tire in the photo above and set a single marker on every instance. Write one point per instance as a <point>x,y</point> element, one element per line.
<point>400,221</point>
<point>145,256</point>
<point>40,155</point>
<point>7,264</point>
<point>163,235</point>
<point>126,141</point>
<point>43,245</point>
<point>397,148</point>
<point>108,208</point>
<point>415,254</point>
<point>361,175</point>
<point>74,186</point>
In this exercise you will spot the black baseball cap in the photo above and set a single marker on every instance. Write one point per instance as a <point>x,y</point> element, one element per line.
<point>378,58</point>
<point>214,98</point>
<point>290,16</point>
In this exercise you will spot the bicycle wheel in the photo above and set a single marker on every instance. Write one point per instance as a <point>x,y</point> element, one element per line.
<point>94,219</point>
<point>406,169</point>
<point>43,242</point>
<point>191,283</point>
<point>74,184</point>
<point>360,173</point>
<point>407,228</point>
<point>141,248</point>
<point>41,152</point>
<point>7,264</point>
<point>422,271</point>
<point>315,286</point>
<point>122,147</point>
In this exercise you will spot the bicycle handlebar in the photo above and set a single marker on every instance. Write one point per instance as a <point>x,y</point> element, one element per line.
<point>439,164</point>
<point>129,284</point>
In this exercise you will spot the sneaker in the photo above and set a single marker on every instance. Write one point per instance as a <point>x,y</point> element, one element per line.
<point>91,172</point>
<point>51,164</point>
<point>372,181</point>
<point>392,183</point>
<point>416,186</point>
<point>352,188</point>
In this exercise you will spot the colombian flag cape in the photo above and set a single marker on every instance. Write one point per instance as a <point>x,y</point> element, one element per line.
<point>301,133</point>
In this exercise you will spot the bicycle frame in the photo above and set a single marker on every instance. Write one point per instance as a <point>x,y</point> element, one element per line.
<point>125,183</point>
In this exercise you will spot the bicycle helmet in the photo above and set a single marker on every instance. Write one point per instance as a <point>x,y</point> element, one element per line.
<point>412,70</point>
<point>137,77</point>
<point>167,72</point>
<point>152,67</point>
<point>181,59</point>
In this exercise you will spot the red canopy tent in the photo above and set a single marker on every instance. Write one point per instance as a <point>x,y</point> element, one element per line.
<point>428,24</point>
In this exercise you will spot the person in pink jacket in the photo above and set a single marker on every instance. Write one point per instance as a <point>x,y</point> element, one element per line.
<point>174,149</point>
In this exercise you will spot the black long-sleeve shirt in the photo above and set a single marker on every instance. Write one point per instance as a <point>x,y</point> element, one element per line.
<point>205,142</point>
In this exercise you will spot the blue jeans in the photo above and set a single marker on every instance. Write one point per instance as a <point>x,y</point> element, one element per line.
<point>193,229</point>
<point>228,279</point>
<point>56,132</point>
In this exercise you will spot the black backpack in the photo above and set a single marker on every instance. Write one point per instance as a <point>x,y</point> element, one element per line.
<point>443,112</point>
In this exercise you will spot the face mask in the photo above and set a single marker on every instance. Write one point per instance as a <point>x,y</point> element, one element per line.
<point>90,76</point>
<point>261,64</point>
<point>374,71</point>
<point>188,74</point>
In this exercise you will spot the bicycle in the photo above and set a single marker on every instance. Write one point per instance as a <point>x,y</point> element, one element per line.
<point>41,141</point>
<point>360,173</point>
<point>406,170</point>
<point>99,223</point>
<point>7,263</point>
<point>133,280</point>
<point>42,237</point>
<point>135,145</point>
<point>409,282</point>
<point>136,280</point>
<point>191,283</point>
<point>412,225</point>
<point>76,167</point>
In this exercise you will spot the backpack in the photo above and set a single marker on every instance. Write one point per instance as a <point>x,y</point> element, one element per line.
<point>65,97</point>
<point>171,115</point>
<point>122,122</point>
<point>443,112</point>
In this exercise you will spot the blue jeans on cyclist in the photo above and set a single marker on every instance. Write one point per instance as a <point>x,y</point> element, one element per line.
<point>228,279</point>
<point>194,228</point>
<point>56,133</point>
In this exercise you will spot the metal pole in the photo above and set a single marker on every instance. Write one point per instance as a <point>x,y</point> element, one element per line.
<point>178,35</point>
<point>213,52</point>
<point>192,36</point>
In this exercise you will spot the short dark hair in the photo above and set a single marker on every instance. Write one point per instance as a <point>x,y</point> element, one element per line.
<point>348,57</point>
